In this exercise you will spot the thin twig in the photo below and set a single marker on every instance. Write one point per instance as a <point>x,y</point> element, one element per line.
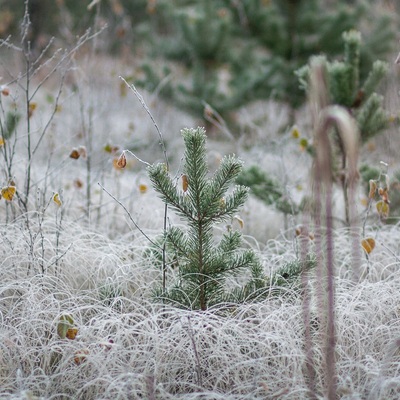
<point>162,144</point>
<point>137,158</point>
<point>130,216</point>
<point>144,105</point>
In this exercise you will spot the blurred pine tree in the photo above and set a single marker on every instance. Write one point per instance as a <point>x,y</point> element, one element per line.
<point>236,52</point>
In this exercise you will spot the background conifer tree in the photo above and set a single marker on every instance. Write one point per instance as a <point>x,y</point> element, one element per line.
<point>238,52</point>
<point>348,88</point>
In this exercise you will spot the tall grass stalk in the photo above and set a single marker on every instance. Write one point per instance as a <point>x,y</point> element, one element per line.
<point>330,119</point>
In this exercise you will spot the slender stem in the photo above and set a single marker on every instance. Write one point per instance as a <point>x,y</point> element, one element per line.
<point>331,335</point>
<point>164,149</point>
<point>28,130</point>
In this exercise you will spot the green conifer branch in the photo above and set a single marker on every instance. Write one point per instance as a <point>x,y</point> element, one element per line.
<point>163,184</point>
<point>378,72</point>
<point>352,46</point>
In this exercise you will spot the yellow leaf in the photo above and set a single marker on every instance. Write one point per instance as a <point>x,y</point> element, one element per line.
<point>368,244</point>
<point>32,108</point>
<point>295,132</point>
<point>2,142</point>
<point>56,199</point>
<point>8,192</point>
<point>383,209</point>
<point>303,144</point>
<point>108,148</point>
<point>185,183</point>
<point>142,188</point>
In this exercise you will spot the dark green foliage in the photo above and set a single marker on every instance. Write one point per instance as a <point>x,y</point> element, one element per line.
<point>7,128</point>
<point>238,52</point>
<point>266,189</point>
<point>127,20</point>
<point>292,31</point>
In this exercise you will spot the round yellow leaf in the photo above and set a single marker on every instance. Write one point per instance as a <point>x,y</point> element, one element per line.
<point>368,244</point>
<point>383,209</point>
<point>8,192</point>
<point>142,188</point>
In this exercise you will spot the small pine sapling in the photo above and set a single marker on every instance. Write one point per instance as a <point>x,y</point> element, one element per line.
<point>205,265</point>
<point>211,272</point>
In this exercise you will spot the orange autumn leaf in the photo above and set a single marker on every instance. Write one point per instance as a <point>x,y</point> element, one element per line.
<point>185,183</point>
<point>78,183</point>
<point>120,162</point>
<point>71,333</point>
<point>384,194</point>
<point>372,189</point>
<point>80,356</point>
<point>5,91</point>
<point>368,244</point>
<point>75,154</point>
